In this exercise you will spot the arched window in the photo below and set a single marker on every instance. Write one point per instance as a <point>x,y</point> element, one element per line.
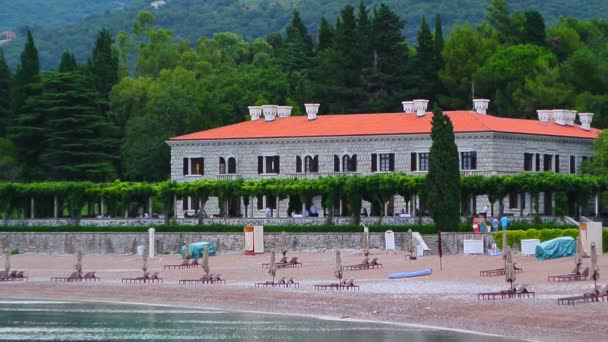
<point>231,165</point>
<point>298,164</point>
<point>308,164</point>
<point>222,166</point>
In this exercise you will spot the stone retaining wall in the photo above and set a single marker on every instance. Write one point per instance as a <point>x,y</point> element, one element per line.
<point>102,243</point>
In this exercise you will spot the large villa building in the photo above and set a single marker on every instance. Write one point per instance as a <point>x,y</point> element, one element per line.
<point>274,144</point>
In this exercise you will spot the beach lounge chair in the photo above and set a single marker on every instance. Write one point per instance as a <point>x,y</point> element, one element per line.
<point>278,283</point>
<point>570,277</point>
<point>291,263</point>
<point>594,296</point>
<point>499,271</point>
<point>194,264</point>
<point>75,276</point>
<point>137,279</point>
<point>522,291</point>
<point>183,264</point>
<point>346,284</point>
<point>18,276</point>
<point>90,276</point>
<point>365,264</point>
<point>154,278</point>
<point>291,283</point>
<point>205,279</point>
<point>217,279</point>
<point>3,276</point>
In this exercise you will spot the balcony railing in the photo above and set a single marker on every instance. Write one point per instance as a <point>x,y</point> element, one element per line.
<point>483,173</point>
<point>229,176</point>
<point>313,175</point>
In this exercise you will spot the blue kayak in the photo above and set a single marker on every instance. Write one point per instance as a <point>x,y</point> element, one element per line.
<point>418,273</point>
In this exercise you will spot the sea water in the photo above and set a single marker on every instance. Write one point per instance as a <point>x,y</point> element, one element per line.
<point>78,321</point>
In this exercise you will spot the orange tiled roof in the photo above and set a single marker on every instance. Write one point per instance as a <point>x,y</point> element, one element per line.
<point>383,124</point>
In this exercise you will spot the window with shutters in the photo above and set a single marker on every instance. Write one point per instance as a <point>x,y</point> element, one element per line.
<point>414,161</point>
<point>298,164</point>
<point>197,166</point>
<point>268,164</point>
<point>557,163</point>
<point>352,165</point>
<point>311,164</point>
<point>423,161</point>
<point>547,162</point>
<point>572,164</point>
<point>336,163</point>
<point>528,159</point>
<point>260,202</point>
<point>537,162</point>
<point>231,165</point>
<point>374,162</point>
<point>513,200</point>
<point>468,160</point>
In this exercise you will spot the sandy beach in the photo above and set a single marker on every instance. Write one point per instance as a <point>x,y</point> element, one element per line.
<point>446,298</point>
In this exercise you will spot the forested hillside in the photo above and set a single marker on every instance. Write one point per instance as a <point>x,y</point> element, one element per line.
<point>192,19</point>
<point>52,13</point>
<point>97,121</point>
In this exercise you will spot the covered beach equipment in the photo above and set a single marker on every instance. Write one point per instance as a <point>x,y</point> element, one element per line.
<point>339,272</point>
<point>196,249</point>
<point>557,248</point>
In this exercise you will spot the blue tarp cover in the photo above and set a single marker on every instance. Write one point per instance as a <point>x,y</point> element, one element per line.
<point>197,249</point>
<point>556,248</point>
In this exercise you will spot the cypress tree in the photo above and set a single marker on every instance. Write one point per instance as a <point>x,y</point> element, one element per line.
<point>5,95</point>
<point>443,178</point>
<point>534,28</point>
<point>298,45</point>
<point>425,72</point>
<point>364,35</point>
<point>104,67</point>
<point>76,134</point>
<point>438,38</point>
<point>326,35</point>
<point>68,62</point>
<point>28,73</point>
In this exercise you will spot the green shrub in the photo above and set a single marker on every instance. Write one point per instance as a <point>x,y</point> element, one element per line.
<point>514,236</point>
<point>14,251</point>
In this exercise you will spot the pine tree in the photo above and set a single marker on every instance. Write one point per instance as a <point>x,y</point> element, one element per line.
<point>76,134</point>
<point>5,95</point>
<point>534,28</point>
<point>438,38</point>
<point>68,62</point>
<point>28,73</point>
<point>425,73</point>
<point>364,35</point>
<point>298,45</point>
<point>104,66</point>
<point>326,35</point>
<point>443,178</point>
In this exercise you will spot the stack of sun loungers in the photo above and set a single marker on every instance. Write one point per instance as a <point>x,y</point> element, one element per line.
<point>499,271</point>
<point>520,291</point>
<point>571,276</point>
<point>599,294</point>
<point>283,282</point>
<point>12,276</point>
<point>147,278</point>
<point>365,265</point>
<point>184,264</point>
<point>205,279</point>
<point>285,264</point>
<point>347,284</point>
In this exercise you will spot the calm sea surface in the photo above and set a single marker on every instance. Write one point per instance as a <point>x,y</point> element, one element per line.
<point>64,321</point>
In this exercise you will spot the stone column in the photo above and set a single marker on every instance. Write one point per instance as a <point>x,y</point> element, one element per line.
<point>102,207</point>
<point>55,207</point>
<point>150,206</point>
<point>32,207</point>
<point>597,205</point>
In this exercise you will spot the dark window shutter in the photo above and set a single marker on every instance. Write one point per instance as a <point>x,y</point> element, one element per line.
<point>336,163</point>
<point>260,164</point>
<point>315,164</point>
<point>277,164</point>
<point>557,163</point>
<point>374,162</point>
<point>260,200</point>
<point>391,162</point>
<point>298,164</point>
<point>185,202</point>
<point>185,166</point>
<point>538,162</point>
<point>353,161</point>
<point>474,161</point>
<point>413,163</point>
<point>202,166</point>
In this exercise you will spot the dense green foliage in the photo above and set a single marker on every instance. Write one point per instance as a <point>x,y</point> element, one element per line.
<point>442,190</point>
<point>186,80</point>
<point>120,196</point>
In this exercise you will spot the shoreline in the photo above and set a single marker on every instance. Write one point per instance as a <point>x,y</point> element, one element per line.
<point>445,300</point>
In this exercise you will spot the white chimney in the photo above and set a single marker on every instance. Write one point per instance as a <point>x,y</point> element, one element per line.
<point>559,116</point>
<point>408,106</point>
<point>570,116</point>
<point>585,120</point>
<point>420,107</point>
<point>284,111</point>
<point>312,109</point>
<point>481,105</point>
<point>545,115</point>
<point>270,112</point>
<point>255,112</point>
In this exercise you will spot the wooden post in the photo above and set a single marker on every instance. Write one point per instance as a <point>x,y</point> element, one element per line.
<point>55,207</point>
<point>150,206</point>
<point>32,208</point>
<point>102,208</point>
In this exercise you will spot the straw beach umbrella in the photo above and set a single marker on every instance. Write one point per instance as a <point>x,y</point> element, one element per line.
<point>273,265</point>
<point>206,260</point>
<point>283,243</point>
<point>409,243</point>
<point>366,244</point>
<point>595,270</point>
<point>577,257</point>
<point>339,269</point>
<point>504,246</point>
<point>145,260</point>
<point>510,269</point>
<point>7,260</point>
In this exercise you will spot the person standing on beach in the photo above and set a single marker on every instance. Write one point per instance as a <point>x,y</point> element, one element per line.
<point>482,224</point>
<point>475,225</point>
<point>504,222</point>
<point>494,224</point>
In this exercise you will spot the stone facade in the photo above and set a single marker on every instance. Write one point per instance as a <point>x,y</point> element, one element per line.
<point>497,154</point>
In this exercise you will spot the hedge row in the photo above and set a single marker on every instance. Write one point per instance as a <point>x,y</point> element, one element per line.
<point>422,228</point>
